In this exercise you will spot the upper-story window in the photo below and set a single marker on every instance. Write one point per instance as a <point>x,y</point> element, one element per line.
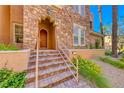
<point>18,33</point>
<point>79,35</point>
<point>79,9</point>
<point>91,25</point>
<point>58,6</point>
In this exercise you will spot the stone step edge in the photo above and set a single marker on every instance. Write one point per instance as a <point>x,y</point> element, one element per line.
<point>47,59</point>
<point>59,81</point>
<point>56,72</point>
<point>48,64</point>
<point>43,62</point>
<point>44,55</point>
<point>44,50</point>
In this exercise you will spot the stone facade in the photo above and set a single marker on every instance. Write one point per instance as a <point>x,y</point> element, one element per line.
<point>95,37</point>
<point>63,17</point>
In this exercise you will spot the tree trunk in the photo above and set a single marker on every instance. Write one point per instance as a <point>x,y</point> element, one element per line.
<point>101,26</point>
<point>114,31</point>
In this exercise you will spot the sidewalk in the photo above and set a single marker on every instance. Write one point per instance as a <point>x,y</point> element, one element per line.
<point>113,74</point>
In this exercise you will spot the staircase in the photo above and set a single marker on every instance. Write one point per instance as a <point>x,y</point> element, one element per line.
<point>52,71</point>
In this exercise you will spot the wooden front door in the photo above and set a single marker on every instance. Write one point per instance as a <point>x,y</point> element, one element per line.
<point>43,39</point>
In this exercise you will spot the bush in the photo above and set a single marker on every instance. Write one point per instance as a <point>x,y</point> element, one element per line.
<point>4,74</point>
<point>10,79</point>
<point>122,58</point>
<point>8,47</point>
<point>92,72</point>
<point>114,62</point>
<point>97,44</point>
<point>108,53</point>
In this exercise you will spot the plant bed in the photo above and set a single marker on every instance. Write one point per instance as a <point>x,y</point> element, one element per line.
<point>4,47</point>
<point>10,79</point>
<point>114,62</point>
<point>92,72</point>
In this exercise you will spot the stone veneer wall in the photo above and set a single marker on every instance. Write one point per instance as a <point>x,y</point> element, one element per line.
<point>64,19</point>
<point>93,39</point>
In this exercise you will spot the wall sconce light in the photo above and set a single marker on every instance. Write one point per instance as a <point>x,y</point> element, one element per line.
<point>74,52</point>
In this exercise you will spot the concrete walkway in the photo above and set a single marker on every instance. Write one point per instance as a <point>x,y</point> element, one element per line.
<point>113,74</point>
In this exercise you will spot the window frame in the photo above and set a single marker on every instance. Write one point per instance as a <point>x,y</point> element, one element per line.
<point>80,28</point>
<point>74,36</point>
<point>14,24</point>
<point>79,9</point>
<point>58,6</point>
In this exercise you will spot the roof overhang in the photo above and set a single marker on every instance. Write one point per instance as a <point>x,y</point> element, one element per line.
<point>96,34</point>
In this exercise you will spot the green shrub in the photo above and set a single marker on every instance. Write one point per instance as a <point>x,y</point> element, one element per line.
<point>108,53</point>
<point>8,47</point>
<point>4,74</point>
<point>122,58</point>
<point>92,72</point>
<point>10,79</point>
<point>114,62</point>
<point>97,44</point>
<point>87,64</point>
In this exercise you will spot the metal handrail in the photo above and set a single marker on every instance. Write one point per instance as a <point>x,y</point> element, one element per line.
<point>76,67</point>
<point>69,67</point>
<point>37,60</point>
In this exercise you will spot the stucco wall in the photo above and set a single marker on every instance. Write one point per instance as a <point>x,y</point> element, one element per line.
<point>16,16</point>
<point>87,53</point>
<point>16,60</point>
<point>4,24</point>
<point>8,16</point>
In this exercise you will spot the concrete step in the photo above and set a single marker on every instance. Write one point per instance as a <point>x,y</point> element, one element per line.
<point>47,73</point>
<point>53,80</point>
<point>52,70</point>
<point>45,55</point>
<point>43,66</point>
<point>45,51</point>
<point>72,83</point>
<point>47,59</point>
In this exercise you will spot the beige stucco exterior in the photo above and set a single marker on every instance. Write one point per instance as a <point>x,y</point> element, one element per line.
<point>16,60</point>
<point>87,53</point>
<point>5,24</point>
<point>16,16</point>
<point>8,16</point>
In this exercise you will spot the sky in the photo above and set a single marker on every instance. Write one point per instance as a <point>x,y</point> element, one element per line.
<point>106,15</point>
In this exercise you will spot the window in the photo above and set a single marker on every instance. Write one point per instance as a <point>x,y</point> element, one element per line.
<point>91,25</point>
<point>18,31</point>
<point>79,9</point>
<point>75,8</point>
<point>79,35</point>
<point>58,6</point>
<point>75,35</point>
<point>82,37</point>
<point>82,10</point>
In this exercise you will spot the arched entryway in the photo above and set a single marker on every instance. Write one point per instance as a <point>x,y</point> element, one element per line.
<point>43,39</point>
<point>47,34</point>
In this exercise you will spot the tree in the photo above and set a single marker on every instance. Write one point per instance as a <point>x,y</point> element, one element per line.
<point>101,26</point>
<point>114,31</point>
<point>121,34</point>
